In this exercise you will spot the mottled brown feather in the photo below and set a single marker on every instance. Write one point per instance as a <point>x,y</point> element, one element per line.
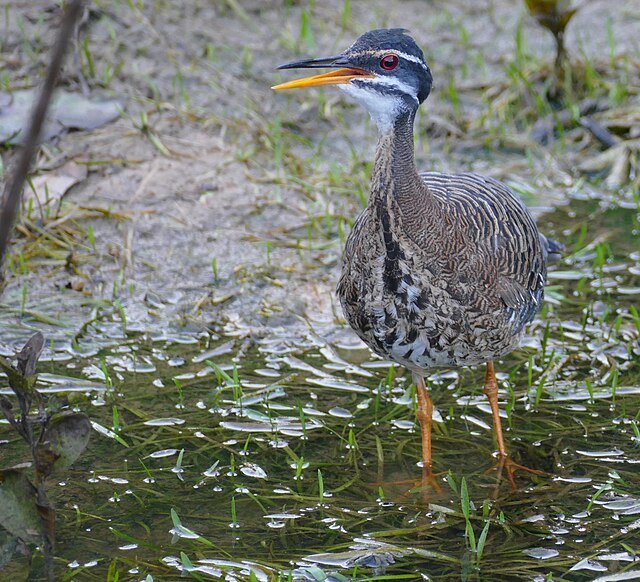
<point>440,269</point>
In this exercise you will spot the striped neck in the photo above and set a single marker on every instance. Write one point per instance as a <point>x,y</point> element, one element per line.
<point>394,171</point>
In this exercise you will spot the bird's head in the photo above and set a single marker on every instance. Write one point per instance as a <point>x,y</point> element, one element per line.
<point>384,70</point>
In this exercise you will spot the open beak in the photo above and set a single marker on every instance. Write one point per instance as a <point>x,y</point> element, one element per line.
<point>337,77</point>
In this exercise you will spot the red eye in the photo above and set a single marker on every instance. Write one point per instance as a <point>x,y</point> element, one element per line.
<point>389,62</point>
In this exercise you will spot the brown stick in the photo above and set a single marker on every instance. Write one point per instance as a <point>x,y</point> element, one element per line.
<point>15,185</point>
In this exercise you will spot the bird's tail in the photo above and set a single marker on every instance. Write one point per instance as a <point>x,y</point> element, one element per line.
<point>553,249</point>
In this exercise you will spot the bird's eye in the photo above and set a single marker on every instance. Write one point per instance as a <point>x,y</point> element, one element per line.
<point>389,62</point>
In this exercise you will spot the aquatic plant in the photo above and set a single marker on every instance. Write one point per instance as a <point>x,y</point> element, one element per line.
<point>56,438</point>
<point>554,15</point>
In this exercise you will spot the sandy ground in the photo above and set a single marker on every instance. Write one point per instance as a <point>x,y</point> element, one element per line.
<point>201,71</point>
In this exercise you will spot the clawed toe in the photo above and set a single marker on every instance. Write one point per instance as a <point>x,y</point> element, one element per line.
<point>428,481</point>
<point>505,463</point>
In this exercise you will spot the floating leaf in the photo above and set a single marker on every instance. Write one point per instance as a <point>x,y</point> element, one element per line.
<point>65,439</point>
<point>8,546</point>
<point>14,558</point>
<point>53,185</point>
<point>18,511</point>
<point>616,163</point>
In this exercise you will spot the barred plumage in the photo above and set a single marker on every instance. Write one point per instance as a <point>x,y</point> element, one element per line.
<point>464,273</point>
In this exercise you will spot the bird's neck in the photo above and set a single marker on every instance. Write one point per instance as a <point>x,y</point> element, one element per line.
<point>395,173</point>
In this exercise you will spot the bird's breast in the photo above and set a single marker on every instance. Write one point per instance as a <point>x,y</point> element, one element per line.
<point>413,310</point>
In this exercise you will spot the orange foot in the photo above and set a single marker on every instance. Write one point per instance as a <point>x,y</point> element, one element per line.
<point>505,463</point>
<point>428,480</point>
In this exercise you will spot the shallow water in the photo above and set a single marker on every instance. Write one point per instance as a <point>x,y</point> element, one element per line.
<point>285,450</point>
<point>227,455</point>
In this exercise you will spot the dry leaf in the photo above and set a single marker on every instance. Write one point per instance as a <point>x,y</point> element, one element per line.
<point>68,110</point>
<point>50,187</point>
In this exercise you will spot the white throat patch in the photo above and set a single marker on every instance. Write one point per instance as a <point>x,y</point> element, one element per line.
<point>384,109</point>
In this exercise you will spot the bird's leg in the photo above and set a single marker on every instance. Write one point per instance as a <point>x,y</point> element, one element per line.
<point>425,417</point>
<point>504,462</point>
<point>424,413</point>
<point>491,391</point>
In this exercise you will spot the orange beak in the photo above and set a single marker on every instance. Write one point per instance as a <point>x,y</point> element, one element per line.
<point>337,77</point>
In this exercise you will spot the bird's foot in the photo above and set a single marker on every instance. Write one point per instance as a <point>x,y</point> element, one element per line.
<point>427,481</point>
<point>505,463</point>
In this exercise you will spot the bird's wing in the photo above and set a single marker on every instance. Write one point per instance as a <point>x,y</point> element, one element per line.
<point>496,237</point>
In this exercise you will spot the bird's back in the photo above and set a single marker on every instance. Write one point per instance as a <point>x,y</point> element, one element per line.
<point>496,239</point>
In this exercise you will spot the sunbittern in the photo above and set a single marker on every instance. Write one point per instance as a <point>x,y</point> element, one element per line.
<point>440,270</point>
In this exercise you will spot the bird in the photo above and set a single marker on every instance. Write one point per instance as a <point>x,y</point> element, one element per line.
<point>439,270</point>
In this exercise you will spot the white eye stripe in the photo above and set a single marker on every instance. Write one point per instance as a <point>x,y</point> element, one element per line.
<point>412,59</point>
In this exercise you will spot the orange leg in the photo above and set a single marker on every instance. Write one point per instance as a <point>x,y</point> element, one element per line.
<point>491,390</point>
<point>504,462</point>
<point>424,413</point>
<point>425,417</point>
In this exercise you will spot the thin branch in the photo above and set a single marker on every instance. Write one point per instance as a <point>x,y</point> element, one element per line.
<point>15,185</point>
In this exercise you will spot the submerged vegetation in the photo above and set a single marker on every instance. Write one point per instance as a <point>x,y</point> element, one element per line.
<point>183,281</point>
<point>56,438</point>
